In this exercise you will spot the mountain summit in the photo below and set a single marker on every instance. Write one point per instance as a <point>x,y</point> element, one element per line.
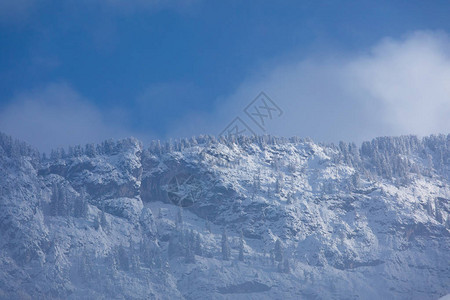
<point>228,218</point>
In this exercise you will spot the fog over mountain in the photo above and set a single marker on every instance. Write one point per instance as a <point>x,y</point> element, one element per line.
<point>226,218</point>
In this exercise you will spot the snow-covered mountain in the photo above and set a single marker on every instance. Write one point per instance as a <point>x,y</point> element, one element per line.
<point>234,218</point>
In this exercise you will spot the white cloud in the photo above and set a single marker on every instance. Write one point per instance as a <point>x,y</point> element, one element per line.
<point>396,87</point>
<point>410,79</point>
<point>399,86</point>
<point>56,116</point>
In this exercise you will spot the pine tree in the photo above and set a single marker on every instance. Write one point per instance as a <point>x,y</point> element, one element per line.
<point>63,206</point>
<point>280,267</point>
<point>157,260</point>
<point>175,244</point>
<point>81,205</point>
<point>226,251</point>
<point>131,243</point>
<point>438,214</point>
<point>90,150</point>
<point>286,266</point>
<point>292,167</point>
<point>189,255</point>
<point>208,226</point>
<point>84,270</point>
<point>112,262</point>
<point>198,245</point>
<point>241,247</point>
<point>160,213</point>
<point>135,263</point>
<point>59,203</point>
<point>275,163</point>
<point>97,222</point>
<point>54,154</point>
<point>103,221</point>
<point>289,199</point>
<point>278,251</point>
<point>430,208</point>
<point>258,180</point>
<point>179,219</point>
<point>165,269</point>
<point>355,180</point>
<point>54,201</point>
<point>146,256</point>
<point>277,186</point>
<point>123,259</point>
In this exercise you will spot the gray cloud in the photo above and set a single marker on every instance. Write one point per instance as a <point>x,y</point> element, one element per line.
<point>57,116</point>
<point>396,87</point>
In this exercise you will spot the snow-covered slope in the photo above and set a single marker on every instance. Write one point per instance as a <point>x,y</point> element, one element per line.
<point>235,218</point>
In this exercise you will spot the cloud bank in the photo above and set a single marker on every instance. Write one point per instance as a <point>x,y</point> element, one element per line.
<point>396,87</point>
<point>399,86</point>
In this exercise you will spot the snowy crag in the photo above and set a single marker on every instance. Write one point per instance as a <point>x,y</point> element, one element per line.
<point>228,218</point>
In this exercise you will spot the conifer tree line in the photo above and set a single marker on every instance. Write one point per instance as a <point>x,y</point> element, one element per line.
<point>383,156</point>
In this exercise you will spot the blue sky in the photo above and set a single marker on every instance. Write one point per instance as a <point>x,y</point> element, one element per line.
<point>161,69</point>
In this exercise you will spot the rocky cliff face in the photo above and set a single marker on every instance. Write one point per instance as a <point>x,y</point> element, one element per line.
<point>232,218</point>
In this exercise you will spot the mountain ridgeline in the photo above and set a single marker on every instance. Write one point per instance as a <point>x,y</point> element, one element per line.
<point>226,218</point>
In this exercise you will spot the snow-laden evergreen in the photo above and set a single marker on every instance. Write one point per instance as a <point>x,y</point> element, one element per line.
<point>260,217</point>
